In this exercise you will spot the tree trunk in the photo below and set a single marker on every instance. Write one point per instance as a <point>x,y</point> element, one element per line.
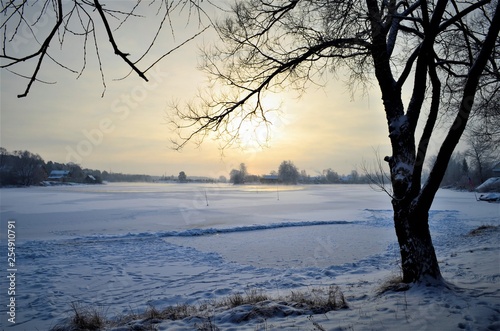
<point>418,258</point>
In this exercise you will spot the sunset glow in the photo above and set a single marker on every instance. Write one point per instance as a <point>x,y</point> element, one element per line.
<point>126,130</point>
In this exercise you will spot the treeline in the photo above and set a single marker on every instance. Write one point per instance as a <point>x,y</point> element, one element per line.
<point>289,174</point>
<point>23,168</point>
<point>466,172</point>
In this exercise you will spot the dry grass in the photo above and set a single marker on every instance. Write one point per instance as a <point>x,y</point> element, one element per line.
<point>250,297</point>
<point>309,301</point>
<point>174,313</point>
<point>87,318</point>
<point>208,324</point>
<point>320,300</point>
<point>84,318</point>
<point>393,284</point>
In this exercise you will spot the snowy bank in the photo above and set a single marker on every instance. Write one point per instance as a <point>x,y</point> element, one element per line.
<point>490,189</point>
<point>490,185</point>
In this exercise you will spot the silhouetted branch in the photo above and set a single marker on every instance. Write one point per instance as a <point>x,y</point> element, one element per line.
<point>124,56</point>
<point>250,67</point>
<point>42,51</point>
<point>77,19</point>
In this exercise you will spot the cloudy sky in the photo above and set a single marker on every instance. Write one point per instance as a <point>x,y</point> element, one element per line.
<point>127,130</point>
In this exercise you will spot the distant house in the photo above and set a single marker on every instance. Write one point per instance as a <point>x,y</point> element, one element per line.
<point>269,179</point>
<point>491,184</point>
<point>90,179</point>
<point>59,175</point>
<point>346,178</point>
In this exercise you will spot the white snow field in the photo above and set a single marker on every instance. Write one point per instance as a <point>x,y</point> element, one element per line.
<point>123,247</point>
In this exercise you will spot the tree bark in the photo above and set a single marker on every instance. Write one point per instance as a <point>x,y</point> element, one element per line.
<point>418,257</point>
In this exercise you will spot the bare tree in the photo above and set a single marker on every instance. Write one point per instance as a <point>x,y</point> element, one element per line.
<point>482,151</point>
<point>483,135</point>
<point>30,28</point>
<point>445,51</point>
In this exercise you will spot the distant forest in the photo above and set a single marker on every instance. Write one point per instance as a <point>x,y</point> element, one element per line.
<point>23,168</point>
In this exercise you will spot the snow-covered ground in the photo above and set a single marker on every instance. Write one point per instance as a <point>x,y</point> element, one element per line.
<point>122,247</point>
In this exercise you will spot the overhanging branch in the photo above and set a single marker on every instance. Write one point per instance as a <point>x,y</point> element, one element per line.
<point>43,49</point>
<point>117,51</point>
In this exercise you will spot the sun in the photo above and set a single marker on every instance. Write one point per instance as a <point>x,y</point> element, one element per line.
<point>254,133</point>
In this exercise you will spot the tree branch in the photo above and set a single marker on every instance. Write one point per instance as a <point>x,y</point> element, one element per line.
<point>455,132</point>
<point>425,57</point>
<point>462,14</point>
<point>113,43</point>
<point>43,50</point>
<point>212,122</point>
<point>428,129</point>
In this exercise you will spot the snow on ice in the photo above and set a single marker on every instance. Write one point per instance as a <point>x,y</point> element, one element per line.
<point>123,247</point>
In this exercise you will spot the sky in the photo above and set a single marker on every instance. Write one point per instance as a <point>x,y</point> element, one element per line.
<point>127,130</point>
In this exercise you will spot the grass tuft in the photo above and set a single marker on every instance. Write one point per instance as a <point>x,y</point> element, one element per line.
<point>250,297</point>
<point>393,284</point>
<point>320,300</point>
<point>86,318</point>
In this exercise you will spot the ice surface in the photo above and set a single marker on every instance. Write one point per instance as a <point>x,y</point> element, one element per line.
<point>124,246</point>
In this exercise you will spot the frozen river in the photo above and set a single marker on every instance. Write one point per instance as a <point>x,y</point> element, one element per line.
<point>123,246</point>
